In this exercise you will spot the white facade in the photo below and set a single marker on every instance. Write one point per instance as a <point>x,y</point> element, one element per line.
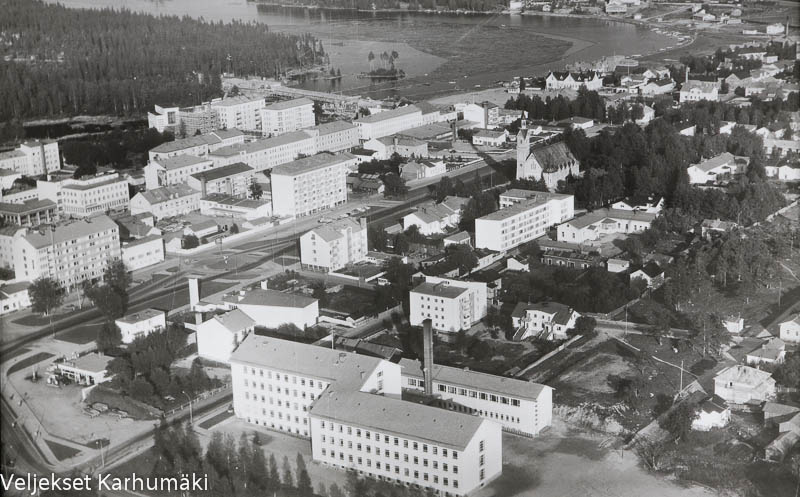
<point>87,196</point>
<point>311,184</point>
<point>140,324</point>
<point>271,309</point>
<point>741,384</point>
<point>167,201</point>
<point>14,297</point>
<point>219,205</point>
<point>334,137</point>
<point>713,169</point>
<point>485,115</point>
<point>70,254</point>
<point>8,239</point>
<point>232,180</point>
<point>433,219</point>
<point>242,113</point>
<point>790,330</point>
<point>334,246</point>
<point>591,226</point>
<point>163,118</point>
<point>573,81</point>
<point>712,414</point>
<point>198,146</point>
<point>451,305</point>
<point>267,153</point>
<point>33,158</point>
<point>694,91</point>
<point>170,171</point>
<point>388,122</point>
<point>143,252</point>
<point>219,336</point>
<point>290,115</point>
<point>549,320</point>
<point>522,222</point>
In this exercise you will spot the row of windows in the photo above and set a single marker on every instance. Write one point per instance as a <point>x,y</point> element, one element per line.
<point>389,440</point>
<point>386,453</point>
<point>388,467</point>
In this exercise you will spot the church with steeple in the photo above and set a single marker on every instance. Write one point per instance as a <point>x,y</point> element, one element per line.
<point>552,163</point>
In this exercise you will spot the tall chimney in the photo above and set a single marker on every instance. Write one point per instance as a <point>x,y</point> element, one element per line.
<point>427,355</point>
<point>686,80</point>
<point>486,115</point>
<point>194,291</point>
<point>202,185</point>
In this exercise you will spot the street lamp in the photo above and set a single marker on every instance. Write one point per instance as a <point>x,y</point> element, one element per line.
<point>191,416</point>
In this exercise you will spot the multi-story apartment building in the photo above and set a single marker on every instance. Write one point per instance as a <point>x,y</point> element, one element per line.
<point>30,213</point>
<point>523,221</point>
<point>311,184</point>
<point>288,115</point>
<point>32,158</point>
<point>232,180</point>
<point>143,252</point>
<point>186,120</point>
<point>242,113</point>
<point>174,170</point>
<point>350,406</point>
<point>199,146</point>
<point>336,136</point>
<point>8,238</point>
<point>519,406</point>
<point>163,118</point>
<point>87,195</point>
<point>334,246</point>
<point>451,305</point>
<point>167,201</point>
<point>388,122</point>
<point>69,253</point>
<point>267,153</point>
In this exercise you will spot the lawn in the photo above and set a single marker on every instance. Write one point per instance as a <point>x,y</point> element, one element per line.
<point>61,452</point>
<point>29,361</point>
<point>15,353</point>
<point>81,334</point>
<point>38,320</point>
<point>355,302</point>
<point>215,420</point>
<point>361,270</point>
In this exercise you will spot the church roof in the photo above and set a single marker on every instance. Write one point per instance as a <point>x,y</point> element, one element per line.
<point>553,157</point>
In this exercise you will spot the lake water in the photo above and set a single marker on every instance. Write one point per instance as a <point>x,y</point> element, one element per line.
<point>439,53</point>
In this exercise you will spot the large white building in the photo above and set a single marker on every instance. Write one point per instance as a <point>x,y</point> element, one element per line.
<point>8,239</point>
<point>140,324</point>
<point>219,336</point>
<point>167,201</point>
<point>233,180</point>
<point>267,153</point>
<point>175,170</point>
<point>87,196</point>
<point>199,146</point>
<point>350,406</point>
<point>71,253</point>
<point>388,122</point>
<point>595,224</point>
<point>241,112</point>
<point>311,184</point>
<point>694,91</point>
<point>336,136</point>
<point>288,115</point>
<point>333,246</point>
<point>451,305</point>
<point>724,165</point>
<point>32,158</point>
<point>143,252</point>
<point>271,309</point>
<point>519,406</point>
<point>522,221</point>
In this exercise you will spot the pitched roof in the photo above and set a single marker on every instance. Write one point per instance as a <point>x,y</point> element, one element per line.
<point>333,231</point>
<point>223,172</point>
<point>743,374</point>
<point>439,290</point>
<point>71,231</point>
<point>235,321</point>
<point>259,145</point>
<point>333,127</point>
<point>12,288</point>
<point>32,205</point>
<point>184,143</point>
<point>158,195</point>
<point>561,313</point>
<point>553,156</point>
<point>715,162</point>
<point>140,316</point>
<point>289,104</point>
<point>599,215</point>
<point>275,298</point>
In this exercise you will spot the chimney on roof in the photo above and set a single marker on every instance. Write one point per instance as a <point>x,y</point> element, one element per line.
<point>427,355</point>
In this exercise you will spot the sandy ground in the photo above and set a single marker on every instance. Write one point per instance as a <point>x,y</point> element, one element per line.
<point>568,463</point>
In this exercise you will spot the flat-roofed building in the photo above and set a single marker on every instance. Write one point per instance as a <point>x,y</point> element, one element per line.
<point>333,246</point>
<point>32,158</point>
<point>311,184</point>
<point>143,252</point>
<point>288,115</point>
<point>388,122</point>
<point>240,112</point>
<point>199,146</point>
<point>520,406</point>
<point>14,297</point>
<point>167,201</point>
<point>8,238</point>
<point>271,309</point>
<point>89,369</point>
<point>174,170</point>
<point>335,136</point>
<point>70,253</point>
<point>267,153</point>
<point>30,213</point>
<point>248,209</point>
<point>451,305</point>
<point>140,324</point>
<point>88,195</point>
<point>233,180</point>
<point>522,221</point>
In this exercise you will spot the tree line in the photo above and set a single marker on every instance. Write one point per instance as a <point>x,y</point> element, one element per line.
<point>64,61</point>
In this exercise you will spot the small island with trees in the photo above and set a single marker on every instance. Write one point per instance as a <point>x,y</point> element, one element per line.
<point>382,67</point>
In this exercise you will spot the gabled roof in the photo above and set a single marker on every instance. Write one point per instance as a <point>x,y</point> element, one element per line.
<point>223,172</point>
<point>720,160</point>
<point>333,127</point>
<point>180,161</point>
<point>235,321</point>
<point>560,312</point>
<point>334,231</point>
<point>274,298</point>
<point>312,163</point>
<point>439,290</point>
<point>553,157</point>
<point>12,288</point>
<point>71,231</point>
<point>165,193</point>
<point>184,143</point>
<point>743,374</point>
<point>139,316</point>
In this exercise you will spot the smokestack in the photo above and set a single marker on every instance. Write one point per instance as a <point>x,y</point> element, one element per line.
<point>486,115</point>
<point>427,355</point>
<point>686,79</point>
<point>202,186</point>
<point>194,291</point>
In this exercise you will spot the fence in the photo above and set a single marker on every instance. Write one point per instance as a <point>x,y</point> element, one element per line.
<point>548,355</point>
<point>202,396</point>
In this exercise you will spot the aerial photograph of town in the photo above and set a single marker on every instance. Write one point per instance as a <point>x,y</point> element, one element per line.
<point>400,248</point>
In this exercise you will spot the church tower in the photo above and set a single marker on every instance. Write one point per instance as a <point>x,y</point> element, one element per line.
<point>523,150</point>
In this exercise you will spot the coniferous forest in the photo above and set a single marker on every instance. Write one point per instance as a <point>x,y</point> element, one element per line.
<point>56,61</point>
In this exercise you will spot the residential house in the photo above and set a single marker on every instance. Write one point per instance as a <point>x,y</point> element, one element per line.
<point>595,224</point>
<point>651,273</point>
<point>432,218</point>
<point>734,324</point>
<point>140,324</point>
<point>772,351</point>
<point>422,169</point>
<point>694,91</point>
<point>790,329</point>
<point>386,146</point>
<point>573,81</point>
<point>219,336</point>
<point>712,170</point>
<point>711,413</point>
<point>548,320</point>
<point>14,297</point>
<point>651,206</point>
<point>334,246</point>
<point>271,309</point>
<point>490,138</point>
<point>742,384</point>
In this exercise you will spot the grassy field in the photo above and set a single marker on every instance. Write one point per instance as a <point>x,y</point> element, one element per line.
<point>29,361</point>
<point>62,452</point>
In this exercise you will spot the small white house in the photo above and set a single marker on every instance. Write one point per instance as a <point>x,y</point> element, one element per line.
<point>734,324</point>
<point>271,309</point>
<point>549,320</point>
<point>140,324</point>
<point>790,330</point>
<point>713,413</point>
<point>14,297</point>
<point>773,351</point>
<point>218,337</point>
<point>617,265</point>
<point>742,384</point>
<point>651,273</point>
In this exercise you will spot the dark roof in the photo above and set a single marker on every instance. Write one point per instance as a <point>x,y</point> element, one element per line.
<point>223,172</point>
<point>553,157</point>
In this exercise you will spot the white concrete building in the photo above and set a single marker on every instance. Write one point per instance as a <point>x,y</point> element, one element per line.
<point>271,309</point>
<point>548,320</point>
<point>32,158</point>
<point>233,180</point>
<point>333,246</point>
<point>89,369</point>
<point>772,351</point>
<point>140,324</point>
<point>311,184</point>
<point>219,336</point>
<point>288,115</point>
<point>143,252</point>
<point>484,115</point>
<point>714,169</point>
<point>175,170</point>
<point>267,153</point>
<point>423,169</point>
<point>694,91</point>
<point>522,222</point>
<point>403,146</point>
<point>87,196</point>
<point>198,146</point>
<point>70,253</point>
<point>490,138</point>
<point>336,136</point>
<point>593,225</point>
<point>14,297</point>
<point>8,239</point>
<point>167,201</point>
<point>451,305</point>
<point>245,209</point>
<point>388,122</point>
<point>741,384</point>
<point>519,406</point>
<point>790,329</point>
<point>573,81</point>
<point>163,118</point>
<point>341,401</point>
<point>241,112</point>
